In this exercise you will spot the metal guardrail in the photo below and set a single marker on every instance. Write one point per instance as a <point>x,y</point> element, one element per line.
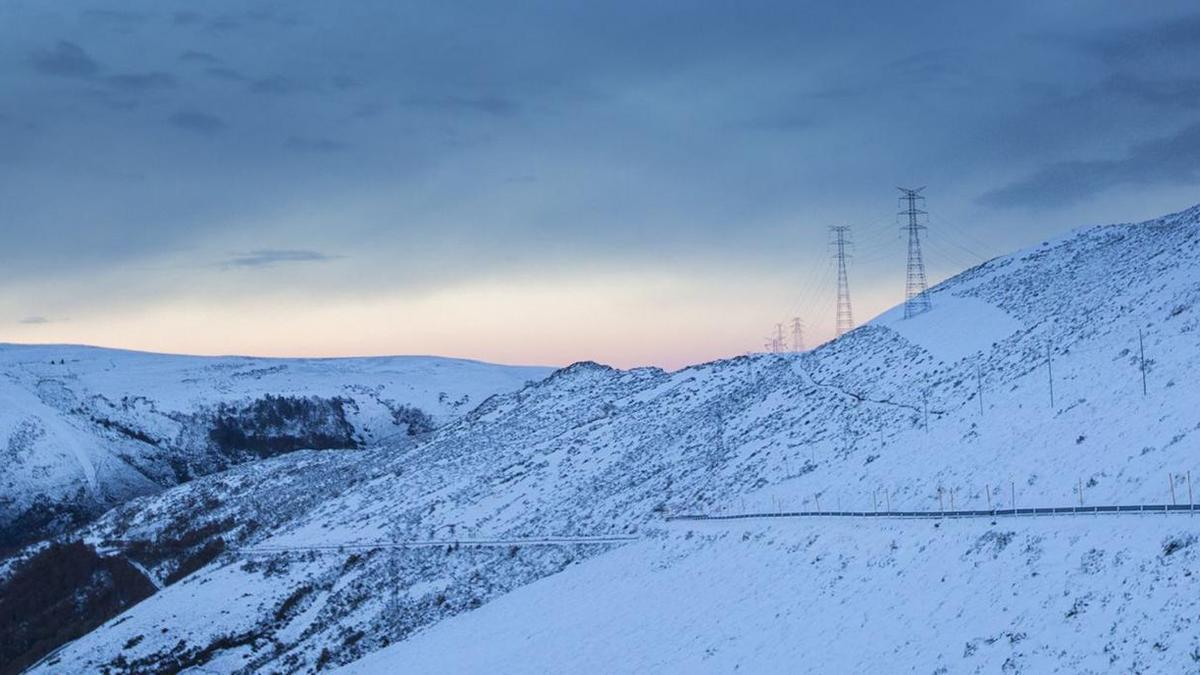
<point>359,546</point>
<point>971,513</point>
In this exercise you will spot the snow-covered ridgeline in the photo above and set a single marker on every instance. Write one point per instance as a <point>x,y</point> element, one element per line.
<point>82,428</point>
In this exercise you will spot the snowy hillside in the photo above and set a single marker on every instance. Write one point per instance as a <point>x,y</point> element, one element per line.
<point>83,429</point>
<point>838,596</point>
<point>954,406</point>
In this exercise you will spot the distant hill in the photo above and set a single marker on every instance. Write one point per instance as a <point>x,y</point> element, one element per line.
<point>83,429</point>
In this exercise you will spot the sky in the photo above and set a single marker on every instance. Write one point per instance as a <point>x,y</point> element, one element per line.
<point>636,183</point>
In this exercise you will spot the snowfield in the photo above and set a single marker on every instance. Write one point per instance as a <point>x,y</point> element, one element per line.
<point>1025,382</point>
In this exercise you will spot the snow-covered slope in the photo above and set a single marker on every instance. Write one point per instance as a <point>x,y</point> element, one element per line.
<point>1034,595</point>
<point>952,406</point>
<point>82,429</point>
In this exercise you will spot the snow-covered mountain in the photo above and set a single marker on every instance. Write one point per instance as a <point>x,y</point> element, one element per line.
<point>83,429</point>
<point>279,566</point>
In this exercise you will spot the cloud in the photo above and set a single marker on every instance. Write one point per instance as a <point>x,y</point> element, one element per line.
<point>343,82</point>
<point>315,145</point>
<point>67,59</point>
<point>187,18</point>
<point>119,19</point>
<point>201,123</point>
<point>195,56</point>
<point>222,73</point>
<point>490,105</point>
<point>1179,34</point>
<point>275,84</point>
<point>269,257</point>
<point>786,121</point>
<point>141,81</point>
<point>34,320</point>
<point>223,23</point>
<point>1174,93</point>
<point>1171,160</point>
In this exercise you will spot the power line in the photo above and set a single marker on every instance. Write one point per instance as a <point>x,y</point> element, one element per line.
<point>916,297</point>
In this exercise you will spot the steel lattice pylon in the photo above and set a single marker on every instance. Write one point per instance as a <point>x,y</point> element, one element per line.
<point>916,296</point>
<point>845,315</point>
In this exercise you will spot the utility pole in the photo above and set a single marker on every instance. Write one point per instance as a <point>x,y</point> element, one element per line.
<point>979,386</point>
<point>845,316</point>
<point>916,297</point>
<point>797,334</point>
<point>1142,360</point>
<point>1050,373</point>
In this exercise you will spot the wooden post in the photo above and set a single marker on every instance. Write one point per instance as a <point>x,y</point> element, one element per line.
<point>925,401</point>
<point>979,387</point>
<point>1014,497</point>
<point>875,500</point>
<point>1142,360</point>
<point>1171,480</point>
<point>951,499</point>
<point>941,503</point>
<point>987,490</point>
<point>1191,502</point>
<point>1081,492</point>
<point>887,493</point>
<point>1050,373</point>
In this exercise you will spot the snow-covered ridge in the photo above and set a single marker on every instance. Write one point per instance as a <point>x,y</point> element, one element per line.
<point>955,404</point>
<point>85,428</point>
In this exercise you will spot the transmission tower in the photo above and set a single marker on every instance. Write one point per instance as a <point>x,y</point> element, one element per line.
<point>774,343</point>
<point>845,317</point>
<point>916,297</point>
<point>797,334</point>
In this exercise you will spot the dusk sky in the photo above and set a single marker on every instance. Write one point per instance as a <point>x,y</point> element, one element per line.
<point>637,183</point>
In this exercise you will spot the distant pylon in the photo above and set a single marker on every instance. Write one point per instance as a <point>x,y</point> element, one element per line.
<point>774,343</point>
<point>916,297</point>
<point>797,334</point>
<point>845,316</point>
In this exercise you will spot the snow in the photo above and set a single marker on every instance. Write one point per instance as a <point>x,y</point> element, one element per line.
<point>955,328</point>
<point>905,409</point>
<point>838,596</point>
<point>51,397</point>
